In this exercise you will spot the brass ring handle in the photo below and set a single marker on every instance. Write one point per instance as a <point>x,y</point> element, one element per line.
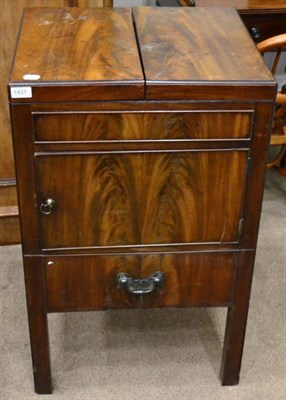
<point>47,206</point>
<point>140,286</point>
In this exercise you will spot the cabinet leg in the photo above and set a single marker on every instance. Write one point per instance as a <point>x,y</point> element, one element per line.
<point>236,322</point>
<point>38,324</point>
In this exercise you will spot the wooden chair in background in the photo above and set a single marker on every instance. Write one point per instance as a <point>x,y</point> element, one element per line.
<point>276,45</point>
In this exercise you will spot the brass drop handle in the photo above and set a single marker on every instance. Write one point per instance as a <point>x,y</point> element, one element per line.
<point>47,206</point>
<point>140,286</point>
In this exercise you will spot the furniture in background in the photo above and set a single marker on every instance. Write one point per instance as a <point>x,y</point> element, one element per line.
<point>11,11</point>
<point>139,190</point>
<point>276,45</point>
<point>263,18</point>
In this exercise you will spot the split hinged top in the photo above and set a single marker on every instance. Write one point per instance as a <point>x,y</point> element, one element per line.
<point>92,53</point>
<point>140,139</point>
<point>71,54</point>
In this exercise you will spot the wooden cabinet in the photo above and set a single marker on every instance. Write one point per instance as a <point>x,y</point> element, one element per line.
<point>10,19</point>
<point>140,164</point>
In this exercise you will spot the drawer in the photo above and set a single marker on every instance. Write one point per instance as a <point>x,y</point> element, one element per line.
<point>264,25</point>
<point>141,198</point>
<point>92,282</point>
<point>119,126</point>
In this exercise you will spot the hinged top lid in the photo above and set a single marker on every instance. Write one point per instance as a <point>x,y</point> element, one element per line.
<point>69,54</point>
<point>200,53</point>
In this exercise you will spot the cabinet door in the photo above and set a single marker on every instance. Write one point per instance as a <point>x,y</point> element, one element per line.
<point>141,198</point>
<point>10,19</point>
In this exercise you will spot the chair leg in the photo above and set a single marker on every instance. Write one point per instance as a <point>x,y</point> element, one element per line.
<point>276,162</point>
<point>38,324</point>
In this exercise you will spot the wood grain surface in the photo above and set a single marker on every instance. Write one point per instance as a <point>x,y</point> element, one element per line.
<point>112,126</point>
<point>141,198</point>
<point>72,44</point>
<point>10,18</point>
<point>197,44</point>
<point>88,283</point>
<point>9,227</point>
<point>189,208</point>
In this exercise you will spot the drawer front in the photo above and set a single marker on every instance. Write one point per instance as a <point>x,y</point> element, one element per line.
<point>91,282</point>
<point>263,26</point>
<point>111,126</point>
<point>137,199</point>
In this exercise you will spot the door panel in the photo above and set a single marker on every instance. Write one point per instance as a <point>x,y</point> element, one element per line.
<point>141,198</point>
<point>10,19</point>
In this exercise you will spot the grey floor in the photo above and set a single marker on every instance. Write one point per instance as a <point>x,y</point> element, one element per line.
<point>161,354</point>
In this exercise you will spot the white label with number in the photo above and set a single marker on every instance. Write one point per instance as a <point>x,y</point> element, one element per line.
<point>21,92</point>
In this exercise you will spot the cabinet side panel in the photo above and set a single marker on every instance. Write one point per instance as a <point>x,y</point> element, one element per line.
<point>256,174</point>
<point>25,173</point>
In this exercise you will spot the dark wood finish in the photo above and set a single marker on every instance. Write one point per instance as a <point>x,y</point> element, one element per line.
<point>169,38</point>
<point>38,324</point>
<point>23,150</point>
<point>142,186</point>
<point>42,148</point>
<point>262,125</point>
<point>104,54</point>
<point>192,280</point>
<point>137,126</point>
<point>10,19</point>
<point>264,25</point>
<point>114,59</point>
<point>236,321</point>
<point>255,182</point>
<point>125,199</point>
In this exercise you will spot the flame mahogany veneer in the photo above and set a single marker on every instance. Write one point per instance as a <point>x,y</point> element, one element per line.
<point>140,141</point>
